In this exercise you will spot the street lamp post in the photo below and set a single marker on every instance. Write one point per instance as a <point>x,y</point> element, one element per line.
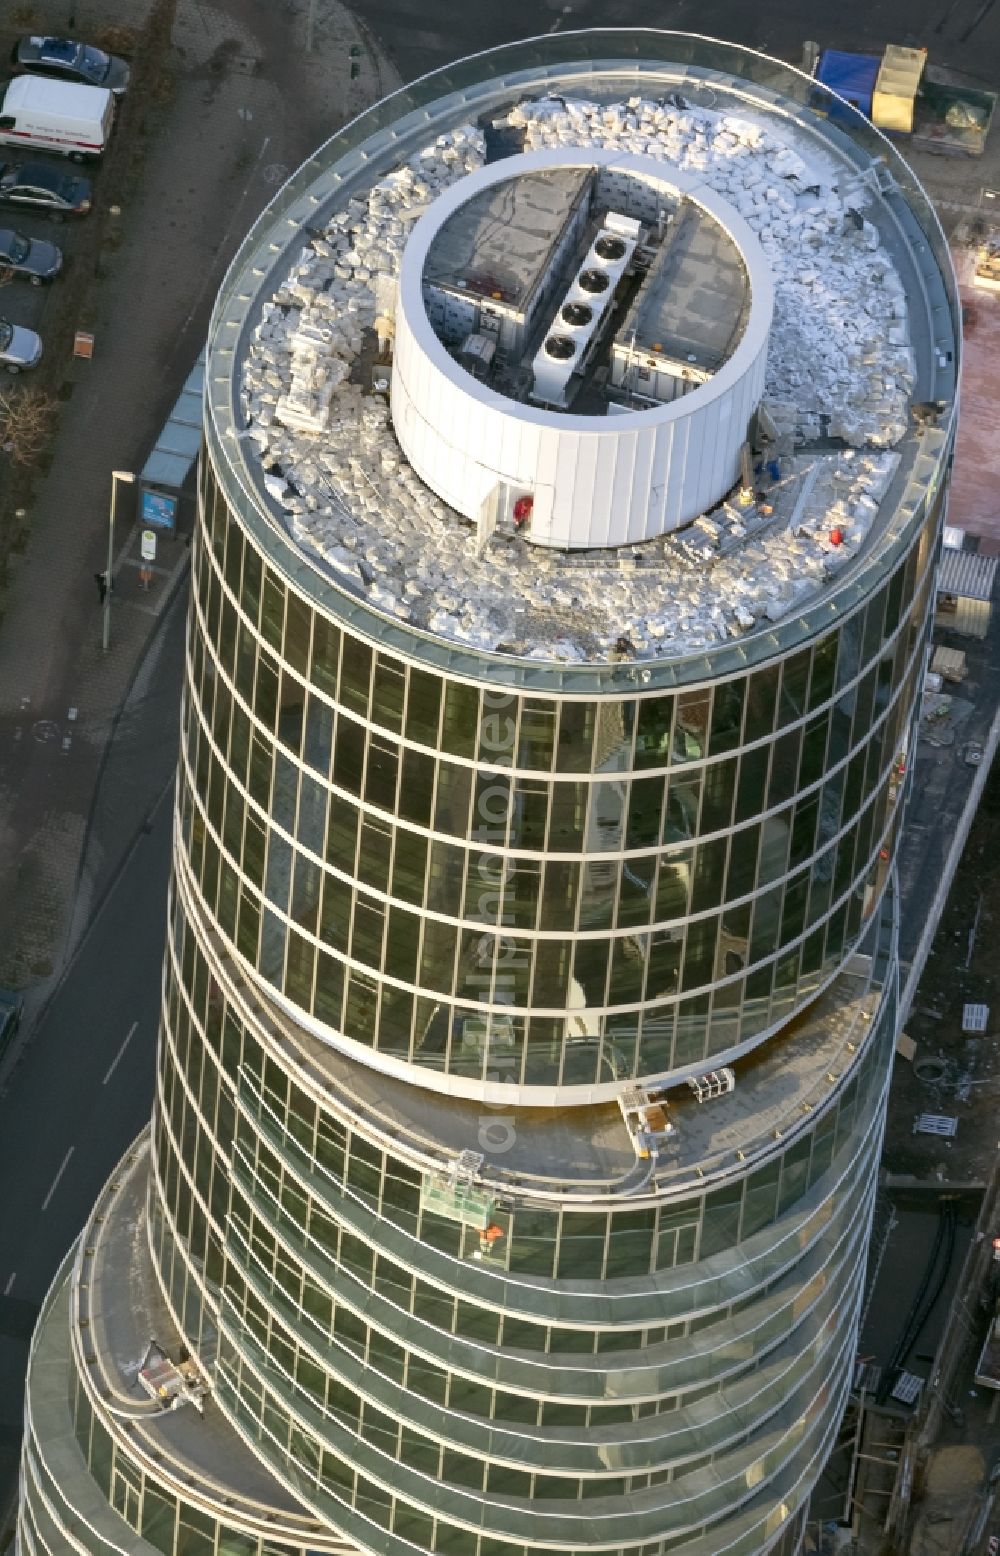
<point>116,476</point>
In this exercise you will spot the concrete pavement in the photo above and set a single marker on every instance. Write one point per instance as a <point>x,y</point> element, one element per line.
<point>975,505</point>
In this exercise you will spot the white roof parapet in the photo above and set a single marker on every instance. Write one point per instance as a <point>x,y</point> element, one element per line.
<point>594,480</point>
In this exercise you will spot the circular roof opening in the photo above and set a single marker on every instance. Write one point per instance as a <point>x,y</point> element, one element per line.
<point>506,243</point>
<point>609,248</point>
<point>560,347</point>
<point>592,281</point>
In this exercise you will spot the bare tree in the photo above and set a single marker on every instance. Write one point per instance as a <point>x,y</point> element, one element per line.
<point>27,420</point>
<point>115,38</point>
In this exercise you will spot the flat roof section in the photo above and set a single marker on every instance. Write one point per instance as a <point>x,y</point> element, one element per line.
<point>693,305</point>
<point>968,575</point>
<point>498,244</point>
<point>120,1300</point>
<point>587,1151</point>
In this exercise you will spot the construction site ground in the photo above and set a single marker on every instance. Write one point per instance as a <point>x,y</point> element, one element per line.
<point>948,1492</point>
<point>941,1478</point>
<point>962,969</point>
<point>954,1074</point>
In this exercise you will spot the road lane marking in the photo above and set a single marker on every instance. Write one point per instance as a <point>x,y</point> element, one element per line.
<point>112,1067</point>
<point>55,1180</point>
<point>10,1285</point>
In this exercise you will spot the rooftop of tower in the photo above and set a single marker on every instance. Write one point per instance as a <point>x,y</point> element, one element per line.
<point>861,329</point>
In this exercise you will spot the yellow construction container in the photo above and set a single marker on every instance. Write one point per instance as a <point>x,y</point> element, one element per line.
<point>896,87</point>
<point>987,272</point>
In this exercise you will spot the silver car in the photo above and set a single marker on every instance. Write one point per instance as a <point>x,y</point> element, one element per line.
<point>68,60</point>
<point>19,348</point>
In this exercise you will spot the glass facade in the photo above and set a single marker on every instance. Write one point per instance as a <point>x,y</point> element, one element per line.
<point>143,1509</point>
<point>442,925</point>
<point>416,862</point>
<point>403,1387</point>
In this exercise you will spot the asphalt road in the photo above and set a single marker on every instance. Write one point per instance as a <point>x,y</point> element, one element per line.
<point>421,36</point>
<point>80,1093</point>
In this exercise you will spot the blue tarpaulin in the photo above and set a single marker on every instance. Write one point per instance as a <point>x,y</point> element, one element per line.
<point>850,75</point>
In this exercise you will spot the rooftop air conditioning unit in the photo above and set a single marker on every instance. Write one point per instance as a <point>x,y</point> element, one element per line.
<point>560,348</point>
<point>581,309</point>
<point>609,248</point>
<point>593,281</point>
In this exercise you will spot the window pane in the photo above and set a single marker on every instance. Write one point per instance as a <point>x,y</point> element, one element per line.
<point>298,627</point>
<point>389,690</point>
<point>460,725</point>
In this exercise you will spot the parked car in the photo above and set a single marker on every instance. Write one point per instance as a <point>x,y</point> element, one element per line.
<point>29,259</point>
<point>34,187</point>
<point>19,348</point>
<point>68,60</point>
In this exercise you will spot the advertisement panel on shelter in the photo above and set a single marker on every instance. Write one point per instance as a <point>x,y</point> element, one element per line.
<point>158,509</point>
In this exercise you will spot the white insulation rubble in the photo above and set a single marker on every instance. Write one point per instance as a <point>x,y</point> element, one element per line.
<point>839,349</point>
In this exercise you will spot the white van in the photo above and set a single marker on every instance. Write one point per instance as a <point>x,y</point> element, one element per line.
<point>57,116</point>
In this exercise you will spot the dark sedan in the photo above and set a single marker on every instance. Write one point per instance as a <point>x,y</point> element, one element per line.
<point>29,259</point>
<point>34,187</point>
<point>66,60</point>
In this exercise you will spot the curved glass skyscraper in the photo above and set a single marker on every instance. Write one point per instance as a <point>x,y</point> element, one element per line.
<point>561,595</point>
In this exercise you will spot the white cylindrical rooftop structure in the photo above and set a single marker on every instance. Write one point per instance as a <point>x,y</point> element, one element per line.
<point>592,479</point>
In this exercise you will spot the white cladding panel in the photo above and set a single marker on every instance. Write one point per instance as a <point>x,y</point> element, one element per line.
<point>595,480</point>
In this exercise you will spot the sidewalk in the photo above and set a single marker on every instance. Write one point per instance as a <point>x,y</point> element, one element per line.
<point>249,105</point>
